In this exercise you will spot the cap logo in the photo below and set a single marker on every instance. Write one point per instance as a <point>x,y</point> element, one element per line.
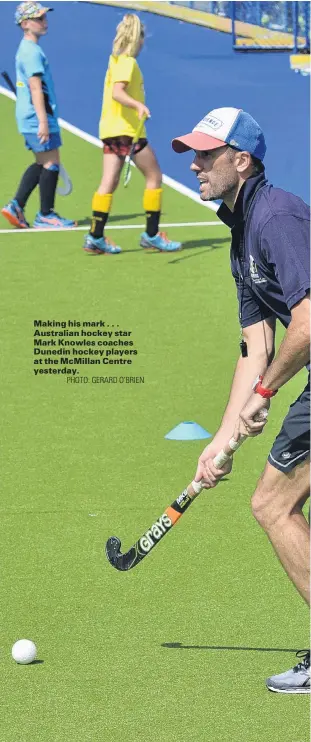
<point>213,122</point>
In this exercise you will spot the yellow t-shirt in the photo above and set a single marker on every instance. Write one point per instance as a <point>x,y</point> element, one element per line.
<point>117,120</point>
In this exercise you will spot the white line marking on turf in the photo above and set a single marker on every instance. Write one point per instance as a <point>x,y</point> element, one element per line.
<point>179,187</point>
<point>110,226</point>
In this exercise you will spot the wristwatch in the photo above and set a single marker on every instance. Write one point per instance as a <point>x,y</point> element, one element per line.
<point>259,389</point>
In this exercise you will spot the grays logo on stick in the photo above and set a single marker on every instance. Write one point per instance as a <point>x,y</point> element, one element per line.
<point>155,533</point>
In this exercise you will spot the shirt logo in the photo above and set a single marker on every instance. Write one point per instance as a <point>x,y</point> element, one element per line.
<point>20,84</point>
<point>254,271</point>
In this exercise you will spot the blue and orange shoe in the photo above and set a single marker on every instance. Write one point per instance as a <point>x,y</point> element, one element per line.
<point>53,221</point>
<point>100,246</point>
<point>159,243</point>
<point>15,215</point>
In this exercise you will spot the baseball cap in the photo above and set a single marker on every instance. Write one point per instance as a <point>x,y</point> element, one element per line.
<point>224,126</point>
<point>28,10</point>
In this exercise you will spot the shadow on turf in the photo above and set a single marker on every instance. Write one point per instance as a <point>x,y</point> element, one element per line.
<point>179,645</point>
<point>192,244</point>
<point>116,218</point>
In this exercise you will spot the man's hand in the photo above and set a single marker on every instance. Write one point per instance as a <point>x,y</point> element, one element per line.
<point>206,469</point>
<point>253,417</point>
<point>43,131</point>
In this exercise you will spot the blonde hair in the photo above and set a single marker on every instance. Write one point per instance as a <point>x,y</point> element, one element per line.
<point>128,36</point>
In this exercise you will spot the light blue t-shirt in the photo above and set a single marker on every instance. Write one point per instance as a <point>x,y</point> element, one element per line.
<point>31,60</point>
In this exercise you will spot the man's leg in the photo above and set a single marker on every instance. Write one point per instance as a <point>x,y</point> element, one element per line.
<point>277,506</point>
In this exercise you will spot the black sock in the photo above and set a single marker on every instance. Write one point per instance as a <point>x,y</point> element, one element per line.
<point>28,183</point>
<point>48,184</point>
<point>153,218</point>
<point>98,222</point>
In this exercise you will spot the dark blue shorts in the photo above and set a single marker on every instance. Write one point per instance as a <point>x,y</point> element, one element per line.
<point>32,142</point>
<point>292,445</point>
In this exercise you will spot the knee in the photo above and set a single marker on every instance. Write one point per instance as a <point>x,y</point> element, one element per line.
<point>266,505</point>
<point>154,180</point>
<point>109,185</point>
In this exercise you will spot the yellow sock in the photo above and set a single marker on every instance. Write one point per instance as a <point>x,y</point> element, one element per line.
<point>152,199</point>
<point>102,202</point>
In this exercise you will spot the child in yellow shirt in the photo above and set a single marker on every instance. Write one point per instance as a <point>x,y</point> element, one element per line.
<point>122,110</point>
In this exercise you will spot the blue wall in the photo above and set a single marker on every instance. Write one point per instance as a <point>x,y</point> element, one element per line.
<point>188,70</point>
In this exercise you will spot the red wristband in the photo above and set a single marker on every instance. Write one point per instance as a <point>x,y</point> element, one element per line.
<point>259,389</point>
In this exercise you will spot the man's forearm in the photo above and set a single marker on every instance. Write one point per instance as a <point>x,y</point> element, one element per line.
<point>292,356</point>
<point>245,373</point>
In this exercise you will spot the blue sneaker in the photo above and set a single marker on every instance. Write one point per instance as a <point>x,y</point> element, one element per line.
<point>53,221</point>
<point>159,243</point>
<point>100,246</point>
<point>15,215</point>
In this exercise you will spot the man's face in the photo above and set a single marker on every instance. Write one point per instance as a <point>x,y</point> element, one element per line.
<point>37,26</point>
<point>216,172</point>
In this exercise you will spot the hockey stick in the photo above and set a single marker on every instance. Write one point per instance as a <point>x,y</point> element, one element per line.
<point>66,188</point>
<point>127,170</point>
<point>171,515</point>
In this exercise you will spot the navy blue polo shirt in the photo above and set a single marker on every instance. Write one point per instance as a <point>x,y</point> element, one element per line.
<point>270,250</point>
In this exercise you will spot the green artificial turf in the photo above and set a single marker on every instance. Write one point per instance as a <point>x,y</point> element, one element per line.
<point>83,461</point>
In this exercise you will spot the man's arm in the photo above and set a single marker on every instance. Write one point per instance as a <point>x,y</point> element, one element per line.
<point>37,97</point>
<point>294,351</point>
<point>293,355</point>
<point>260,345</point>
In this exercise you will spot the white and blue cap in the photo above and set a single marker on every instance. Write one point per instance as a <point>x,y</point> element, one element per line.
<point>221,127</point>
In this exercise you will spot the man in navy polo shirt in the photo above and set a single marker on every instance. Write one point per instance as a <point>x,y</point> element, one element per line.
<point>270,264</point>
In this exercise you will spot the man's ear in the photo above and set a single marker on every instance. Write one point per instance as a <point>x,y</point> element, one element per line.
<point>243,162</point>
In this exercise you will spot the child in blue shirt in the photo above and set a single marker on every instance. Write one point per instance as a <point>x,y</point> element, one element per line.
<point>37,120</point>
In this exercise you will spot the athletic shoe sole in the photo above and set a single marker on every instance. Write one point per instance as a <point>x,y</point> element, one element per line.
<point>293,691</point>
<point>13,220</point>
<point>97,251</point>
<point>50,228</point>
<point>152,248</point>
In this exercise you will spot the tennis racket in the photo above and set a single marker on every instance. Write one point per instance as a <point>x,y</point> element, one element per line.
<point>128,160</point>
<point>66,188</point>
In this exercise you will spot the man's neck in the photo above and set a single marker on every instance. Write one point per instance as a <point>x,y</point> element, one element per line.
<point>230,198</point>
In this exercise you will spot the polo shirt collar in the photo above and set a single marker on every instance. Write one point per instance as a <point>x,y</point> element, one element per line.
<point>243,202</point>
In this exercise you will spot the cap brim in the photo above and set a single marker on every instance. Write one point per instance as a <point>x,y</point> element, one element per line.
<point>196,140</point>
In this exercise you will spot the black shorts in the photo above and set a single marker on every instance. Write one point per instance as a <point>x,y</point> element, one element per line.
<point>121,146</point>
<point>292,445</point>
